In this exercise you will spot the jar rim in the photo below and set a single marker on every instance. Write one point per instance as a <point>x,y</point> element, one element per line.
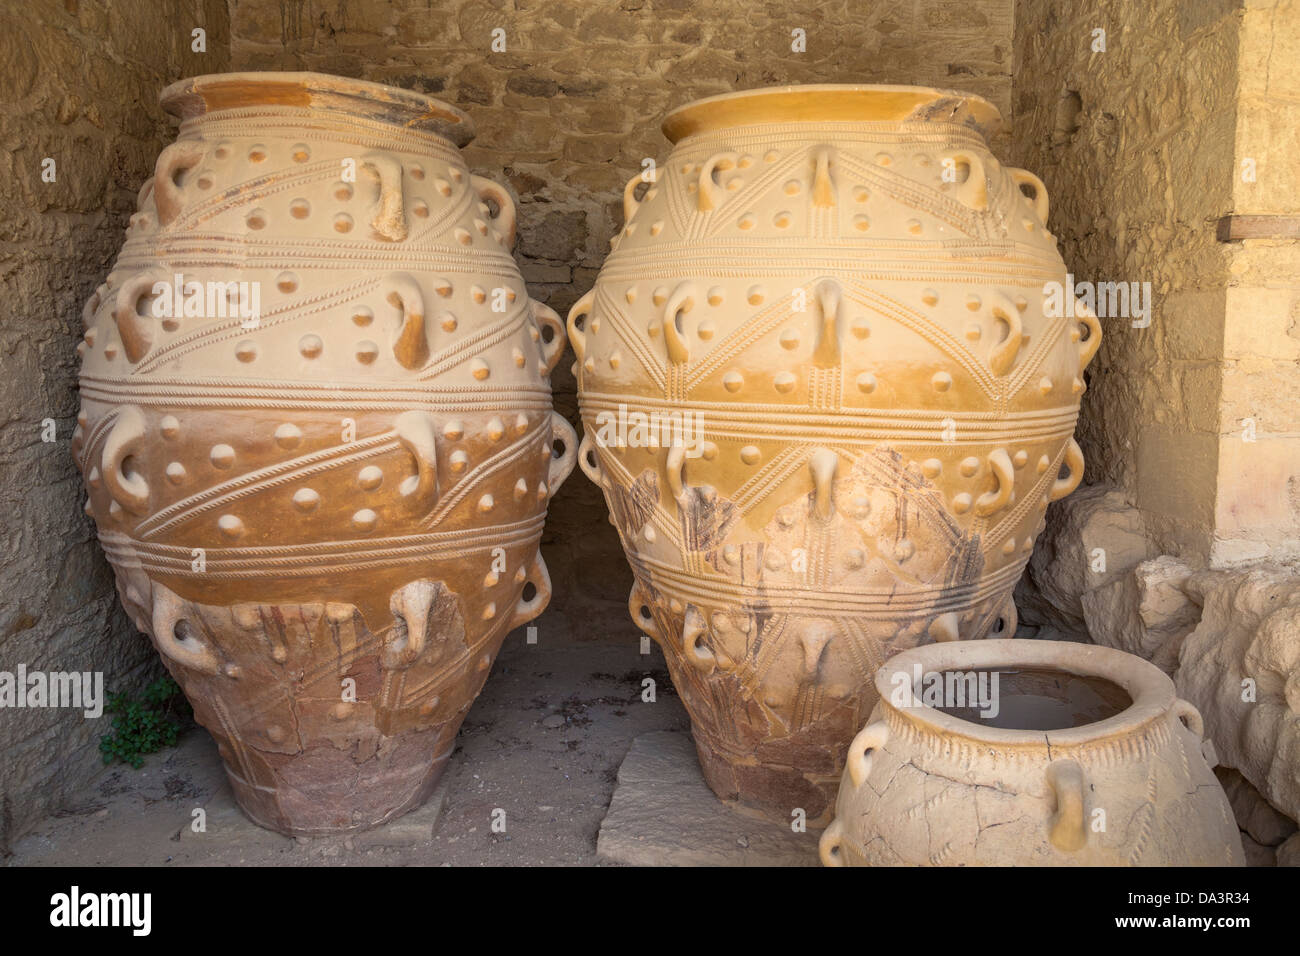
<point>1150,690</point>
<point>199,95</point>
<point>832,102</point>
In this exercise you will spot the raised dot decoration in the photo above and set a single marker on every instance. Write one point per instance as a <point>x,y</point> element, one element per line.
<point>306,500</point>
<point>222,456</point>
<point>288,436</point>
<point>231,527</point>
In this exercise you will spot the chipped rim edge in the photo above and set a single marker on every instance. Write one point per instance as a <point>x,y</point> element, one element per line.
<point>197,95</point>
<point>836,102</point>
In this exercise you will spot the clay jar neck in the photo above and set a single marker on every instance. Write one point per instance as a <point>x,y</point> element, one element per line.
<point>832,103</point>
<point>341,98</point>
<point>1137,695</point>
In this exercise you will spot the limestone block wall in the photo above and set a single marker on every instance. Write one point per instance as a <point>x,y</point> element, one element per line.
<point>1182,119</point>
<point>1257,508</point>
<point>79,85</point>
<point>1135,144</point>
<point>572,105</point>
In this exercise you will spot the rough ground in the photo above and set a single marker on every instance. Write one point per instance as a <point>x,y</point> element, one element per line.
<point>543,742</point>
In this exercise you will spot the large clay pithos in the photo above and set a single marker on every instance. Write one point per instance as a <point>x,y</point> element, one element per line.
<point>828,401</point>
<point>1078,755</point>
<point>322,481</point>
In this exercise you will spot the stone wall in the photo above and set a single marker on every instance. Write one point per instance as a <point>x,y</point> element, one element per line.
<point>1257,508</point>
<point>1143,147</point>
<point>1135,145</point>
<point>79,84</point>
<point>571,107</point>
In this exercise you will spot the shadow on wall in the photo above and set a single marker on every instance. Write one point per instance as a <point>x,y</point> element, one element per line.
<point>80,118</point>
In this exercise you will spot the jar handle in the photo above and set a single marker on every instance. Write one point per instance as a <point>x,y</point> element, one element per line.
<point>129,491</point>
<point>525,611</point>
<point>552,350</point>
<point>682,299</point>
<point>646,622</point>
<point>1002,356</point>
<point>1074,461</point>
<point>630,203</point>
<point>136,330</point>
<point>185,649</point>
<point>390,216</point>
<point>577,336</point>
<point>870,737</point>
<point>415,432</point>
<point>828,847</point>
<point>176,158</point>
<point>561,467</point>
<point>693,628</point>
<point>1186,711</point>
<point>506,217</point>
<point>587,459</point>
<point>1066,830</point>
<point>974,192</point>
<point>411,345</point>
<point>1090,345</point>
<point>708,190</point>
<point>993,501</point>
<point>1023,177</point>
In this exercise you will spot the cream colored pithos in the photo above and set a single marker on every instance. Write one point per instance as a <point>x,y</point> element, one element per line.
<point>828,403</point>
<point>1091,759</point>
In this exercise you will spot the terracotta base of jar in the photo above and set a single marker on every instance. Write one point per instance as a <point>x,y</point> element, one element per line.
<point>325,723</point>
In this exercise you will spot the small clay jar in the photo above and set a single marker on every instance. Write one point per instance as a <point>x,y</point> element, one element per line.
<point>1029,753</point>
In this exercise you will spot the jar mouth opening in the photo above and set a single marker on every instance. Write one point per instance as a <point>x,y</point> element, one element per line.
<point>1024,691</point>
<point>200,95</point>
<point>833,102</point>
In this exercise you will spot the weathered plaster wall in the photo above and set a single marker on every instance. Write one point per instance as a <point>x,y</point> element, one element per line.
<point>1257,508</point>
<point>1136,145</point>
<point>573,105</point>
<point>79,83</point>
<point>1142,148</point>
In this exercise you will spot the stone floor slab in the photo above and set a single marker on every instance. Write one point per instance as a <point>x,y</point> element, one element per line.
<point>664,814</point>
